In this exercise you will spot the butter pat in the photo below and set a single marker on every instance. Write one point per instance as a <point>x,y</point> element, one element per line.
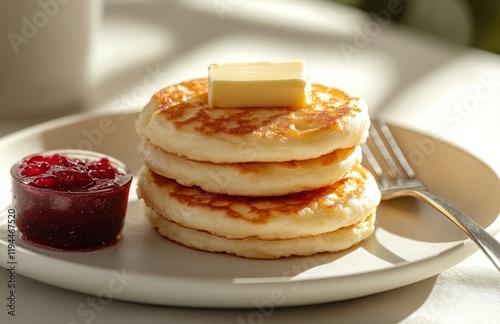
<point>260,84</point>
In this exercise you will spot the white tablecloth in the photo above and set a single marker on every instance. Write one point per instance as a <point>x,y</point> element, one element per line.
<point>411,79</point>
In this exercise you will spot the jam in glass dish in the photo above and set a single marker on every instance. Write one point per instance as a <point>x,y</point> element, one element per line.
<point>70,200</point>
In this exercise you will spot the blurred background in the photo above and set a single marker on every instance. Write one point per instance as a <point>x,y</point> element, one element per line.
<point>64,57</point>
<point>468,22</point>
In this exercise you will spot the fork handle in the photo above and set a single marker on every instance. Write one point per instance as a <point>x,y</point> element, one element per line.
<point>487,243</point>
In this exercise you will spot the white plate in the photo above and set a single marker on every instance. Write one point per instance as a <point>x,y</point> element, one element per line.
<point>412,242</point>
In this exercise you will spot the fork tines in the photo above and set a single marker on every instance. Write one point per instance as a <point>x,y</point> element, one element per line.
<point>395,162</point>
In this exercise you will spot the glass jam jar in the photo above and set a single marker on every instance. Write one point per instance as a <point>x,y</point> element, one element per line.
<point>71,200</point>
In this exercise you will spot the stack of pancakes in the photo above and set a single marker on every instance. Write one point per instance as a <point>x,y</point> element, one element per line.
<point>256,182</point>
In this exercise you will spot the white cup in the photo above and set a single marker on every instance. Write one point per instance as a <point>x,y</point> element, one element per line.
<point>44,57</point>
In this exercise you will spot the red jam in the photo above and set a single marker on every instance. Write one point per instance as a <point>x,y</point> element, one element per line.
<point>70,200</point>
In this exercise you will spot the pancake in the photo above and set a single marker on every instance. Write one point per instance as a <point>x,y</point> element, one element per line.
<point>252,247</point>
<point>179,120</point>
<point>308,213</point>
<point>252,178</point>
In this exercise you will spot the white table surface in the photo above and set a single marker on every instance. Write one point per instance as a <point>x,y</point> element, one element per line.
<point>413,80</point>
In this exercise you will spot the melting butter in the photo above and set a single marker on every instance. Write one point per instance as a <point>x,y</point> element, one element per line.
<point>259,84</point>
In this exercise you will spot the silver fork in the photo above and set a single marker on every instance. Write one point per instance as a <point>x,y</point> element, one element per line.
<point>398,179</point>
